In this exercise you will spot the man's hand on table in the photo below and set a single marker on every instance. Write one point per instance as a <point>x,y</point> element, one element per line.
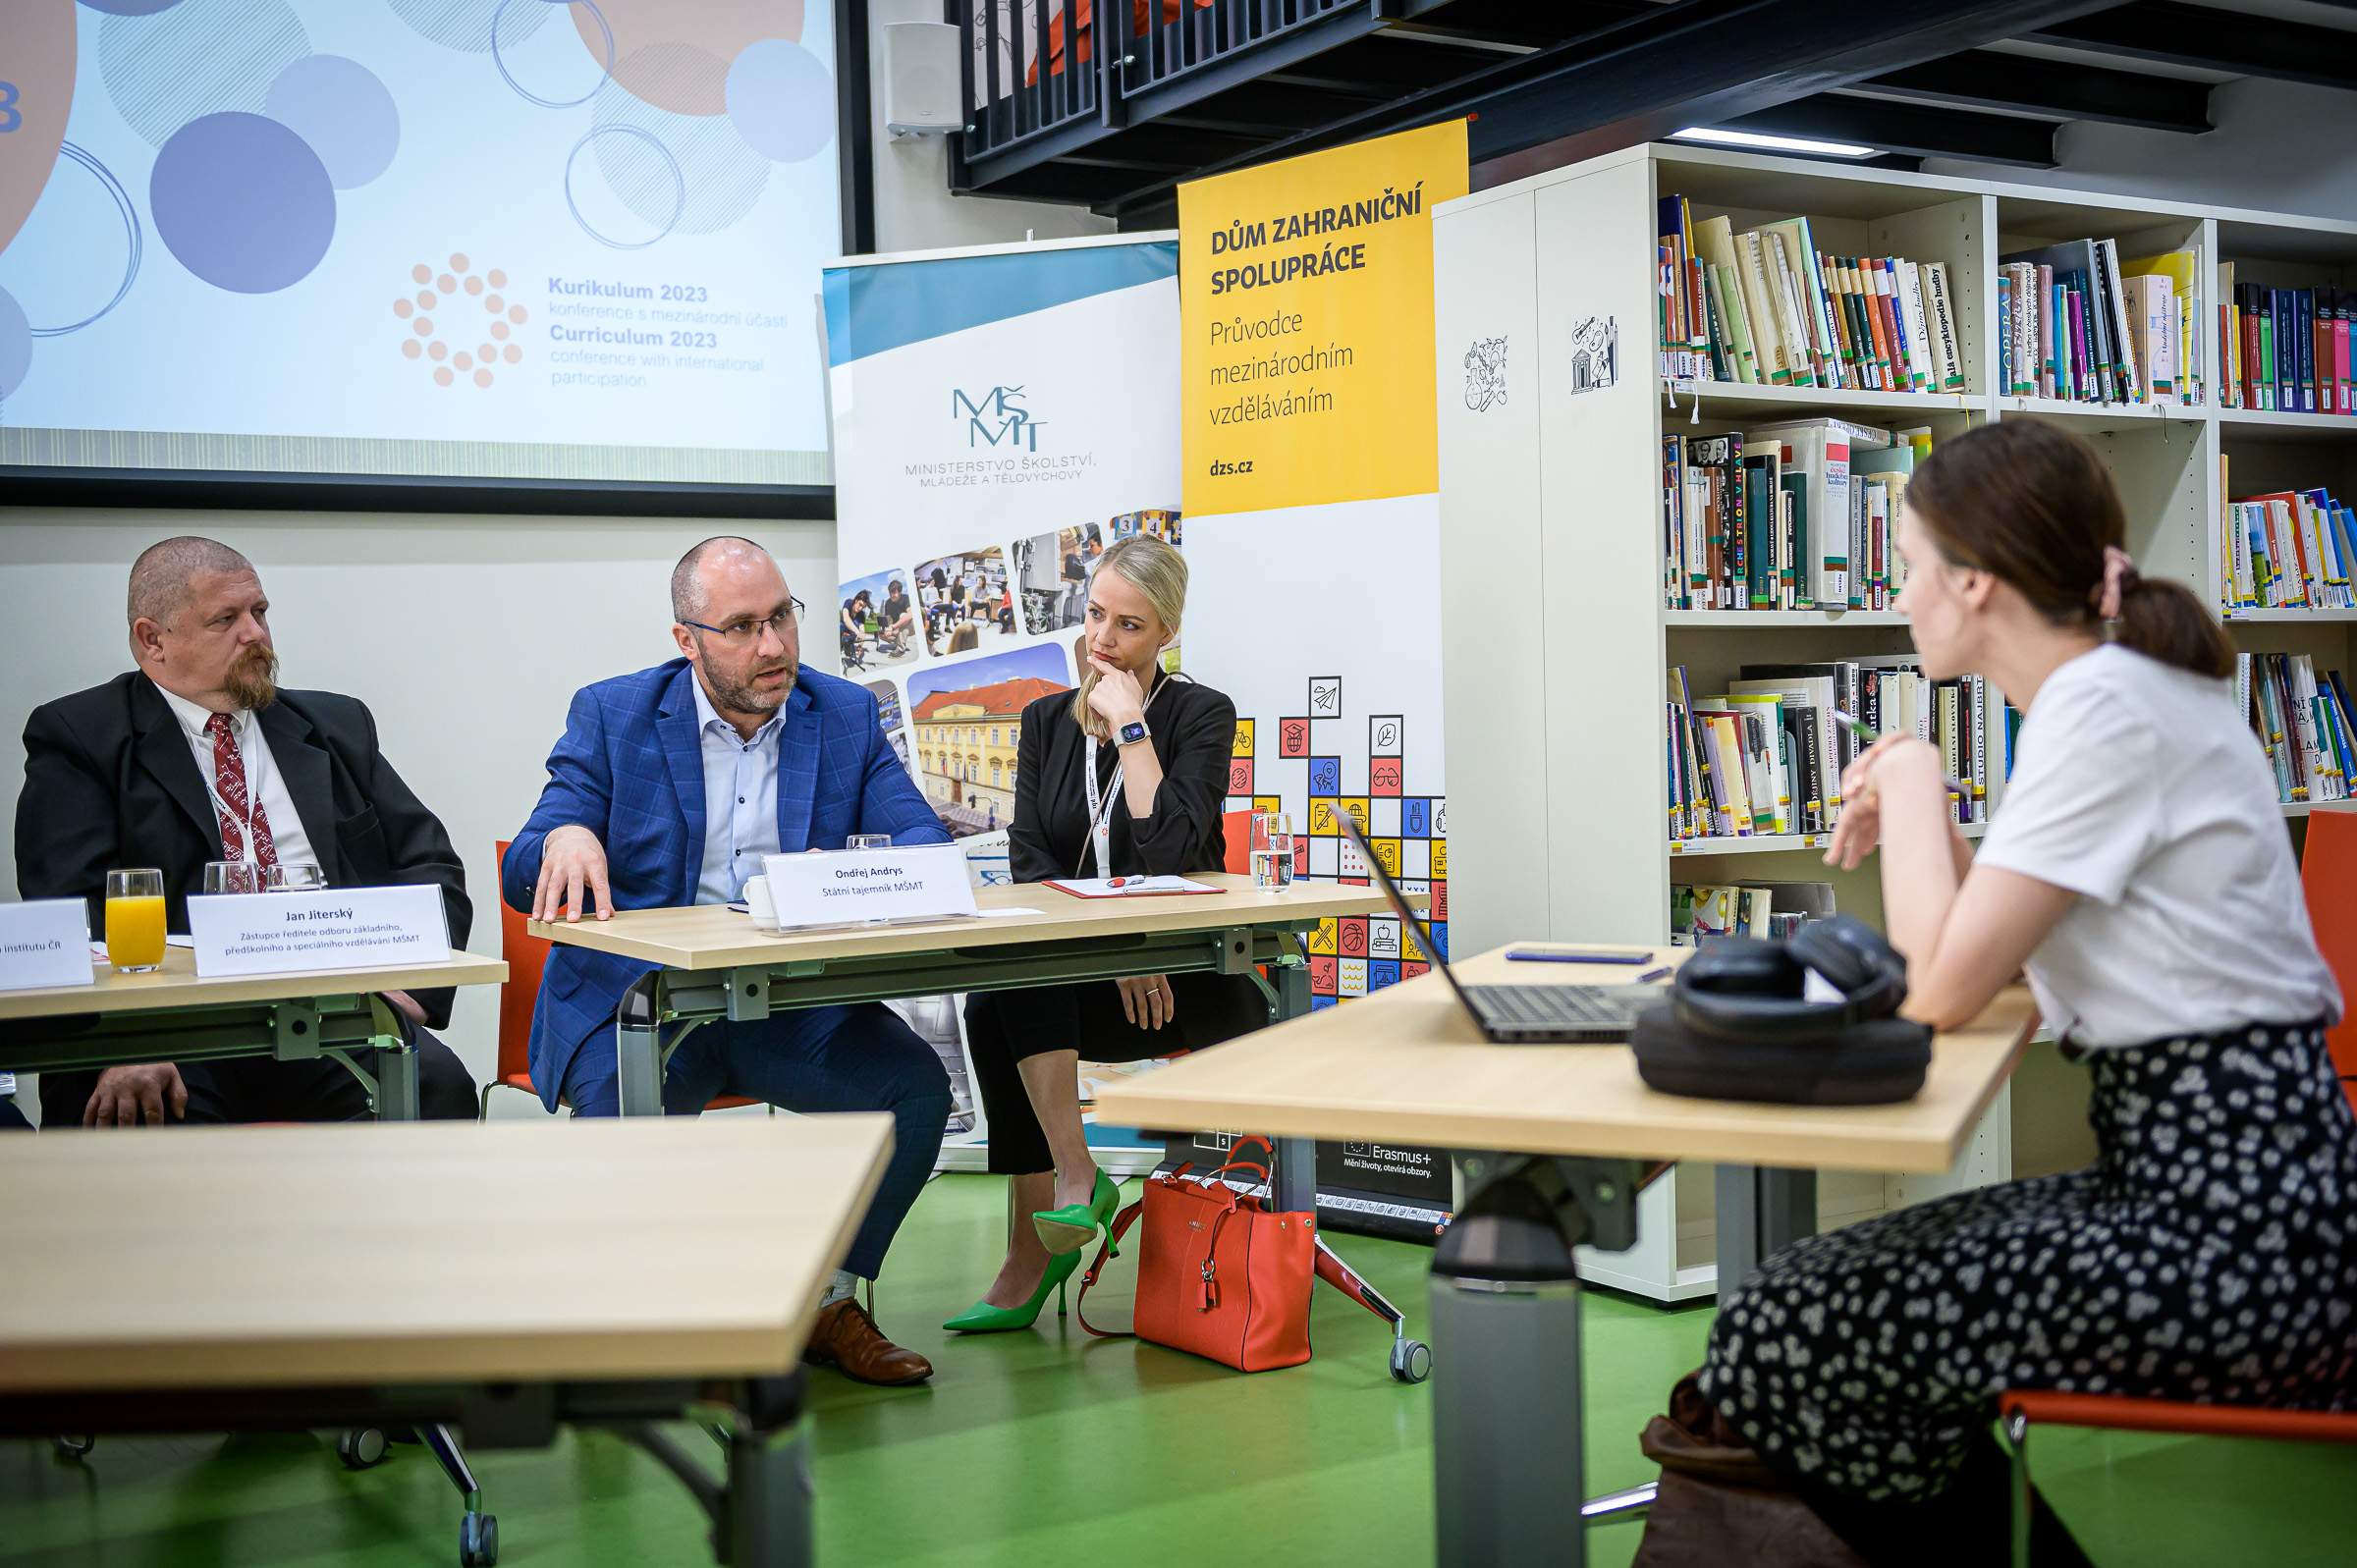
<point>570,859</point>
<point>125,1095</point>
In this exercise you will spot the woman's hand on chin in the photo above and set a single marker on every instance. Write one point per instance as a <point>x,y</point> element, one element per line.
<point>1117,698</point>
<point>1890,763</point>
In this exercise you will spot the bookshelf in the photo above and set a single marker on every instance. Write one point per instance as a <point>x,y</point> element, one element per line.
<point>1555,636</point>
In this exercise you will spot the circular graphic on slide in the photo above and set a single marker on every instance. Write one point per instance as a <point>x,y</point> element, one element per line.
<point>781,100</point>
<point>418,337</point>
<point>720,176</point>
<point>342,111</point>
<point>647,167</point>
<point>16,344</point>
<point>133,240</point>
<point>666,77</point>
<point>243,202</point>
<point>604,50</point>
<point>467,25</point>
<point>199,57</point>
<point>131,8</point>
<point>37,40</point>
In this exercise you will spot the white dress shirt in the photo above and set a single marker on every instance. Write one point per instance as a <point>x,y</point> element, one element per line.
<point>740,800</point>
<point>265,787</point>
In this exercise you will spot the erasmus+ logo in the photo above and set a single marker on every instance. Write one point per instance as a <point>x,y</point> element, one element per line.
<point>997,419</point>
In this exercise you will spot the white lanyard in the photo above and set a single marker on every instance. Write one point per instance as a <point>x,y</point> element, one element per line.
<point>1100,802</point>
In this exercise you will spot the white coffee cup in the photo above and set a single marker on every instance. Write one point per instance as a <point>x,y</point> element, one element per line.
<point>758,899</point>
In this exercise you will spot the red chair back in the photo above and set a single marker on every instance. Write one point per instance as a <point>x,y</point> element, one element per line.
<point>2328,876</point>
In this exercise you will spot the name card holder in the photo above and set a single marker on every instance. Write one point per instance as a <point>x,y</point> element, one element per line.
<point>44,942</point>
<point>870,887</point>
<point>324,928</point>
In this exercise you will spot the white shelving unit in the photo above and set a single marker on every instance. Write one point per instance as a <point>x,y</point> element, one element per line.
<point>1551,559</point>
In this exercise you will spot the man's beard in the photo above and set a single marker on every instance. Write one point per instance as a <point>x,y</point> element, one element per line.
<point>743,696</point>
<point>251,681</point>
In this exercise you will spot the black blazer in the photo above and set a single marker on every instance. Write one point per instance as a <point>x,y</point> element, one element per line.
<point>1193,735</point>
<point>110,781</point>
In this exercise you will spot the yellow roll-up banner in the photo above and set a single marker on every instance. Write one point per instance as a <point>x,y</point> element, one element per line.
<point>1306,289</point>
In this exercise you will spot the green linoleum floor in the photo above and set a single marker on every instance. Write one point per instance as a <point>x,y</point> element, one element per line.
<point>1049,1446</point>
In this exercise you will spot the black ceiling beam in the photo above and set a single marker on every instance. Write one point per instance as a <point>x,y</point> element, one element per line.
<point>1695,62</point>
<point>2170,34</point>
<point>1980,79</point>
<point>1917,129</point>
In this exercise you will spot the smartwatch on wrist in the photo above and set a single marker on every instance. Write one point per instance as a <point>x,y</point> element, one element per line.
<point>1135,731</point>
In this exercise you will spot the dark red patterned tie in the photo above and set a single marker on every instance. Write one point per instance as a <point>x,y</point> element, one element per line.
<point>228,786</point>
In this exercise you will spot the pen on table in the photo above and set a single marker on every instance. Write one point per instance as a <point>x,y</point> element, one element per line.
<point>1663,973</point>
<point>1869,737</point>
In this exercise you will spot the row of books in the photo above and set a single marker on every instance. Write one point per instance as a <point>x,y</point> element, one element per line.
<point>1771,911</point>
<point>2285,349</point>
<point>1766,307</point>
<point>2302,719</point>
<point>1799,515</point>
<point>2077,323</point>
<point>1766,755</point>
<point>2288,550</point>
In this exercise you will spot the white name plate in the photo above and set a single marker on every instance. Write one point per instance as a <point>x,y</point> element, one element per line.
<point>44,942</point>
<point>925,882</point>
<point>326,928</point>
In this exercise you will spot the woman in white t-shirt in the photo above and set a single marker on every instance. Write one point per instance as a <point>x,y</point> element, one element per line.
<point>2139,870</point>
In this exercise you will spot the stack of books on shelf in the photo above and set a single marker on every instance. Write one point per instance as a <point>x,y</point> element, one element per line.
<point>2076,323</point>
<point>1771,911</point>
<point>2287,551</point>
<point>1764,757</point>
<point>1766,307</point>
<point>2285,350</point>
<point>2302,720</point>
<point>1789,516</point>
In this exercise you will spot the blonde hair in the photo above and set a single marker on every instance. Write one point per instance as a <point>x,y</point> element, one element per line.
<point>1157,571</point>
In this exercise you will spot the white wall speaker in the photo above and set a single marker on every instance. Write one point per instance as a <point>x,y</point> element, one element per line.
<point>920,79</point>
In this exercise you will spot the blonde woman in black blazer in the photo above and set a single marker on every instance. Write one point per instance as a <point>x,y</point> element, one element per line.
<point>1161,745</point>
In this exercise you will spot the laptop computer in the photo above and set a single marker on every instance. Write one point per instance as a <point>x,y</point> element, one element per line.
<point>1519,1016</point>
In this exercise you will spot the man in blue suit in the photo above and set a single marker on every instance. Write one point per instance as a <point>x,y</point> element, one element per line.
<point>667,789</point>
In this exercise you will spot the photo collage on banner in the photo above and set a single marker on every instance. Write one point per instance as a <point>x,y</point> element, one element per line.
<point>982,468</point>
<point>1312,480</point>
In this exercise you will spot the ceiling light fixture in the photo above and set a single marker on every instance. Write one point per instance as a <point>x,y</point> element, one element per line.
<point>1758,142</point>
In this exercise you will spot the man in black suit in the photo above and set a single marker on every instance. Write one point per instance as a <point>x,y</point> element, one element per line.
<point>194,756</point>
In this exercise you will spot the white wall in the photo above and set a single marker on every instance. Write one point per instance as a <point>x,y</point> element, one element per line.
<point>2277,146</point>
<point>914,210</point>
<point>466,635</point>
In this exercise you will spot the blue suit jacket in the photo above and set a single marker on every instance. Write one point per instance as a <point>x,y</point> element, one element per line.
<point>631,769</point>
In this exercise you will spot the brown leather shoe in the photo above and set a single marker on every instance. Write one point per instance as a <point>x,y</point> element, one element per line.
<point>847,1337</point>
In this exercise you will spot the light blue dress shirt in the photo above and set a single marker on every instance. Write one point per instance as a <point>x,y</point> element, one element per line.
<point>740,800</point>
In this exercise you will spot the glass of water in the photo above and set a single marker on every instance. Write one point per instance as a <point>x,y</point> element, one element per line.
<point>1271,850</point>
<point>232,876</point>
<point>293,877</point>
<point>868,840</point>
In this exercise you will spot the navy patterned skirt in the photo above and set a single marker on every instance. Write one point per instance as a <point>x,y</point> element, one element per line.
<point>2209,1255</point>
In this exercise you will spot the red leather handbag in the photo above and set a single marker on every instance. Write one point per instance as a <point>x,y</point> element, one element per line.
<point>1218,1276</point>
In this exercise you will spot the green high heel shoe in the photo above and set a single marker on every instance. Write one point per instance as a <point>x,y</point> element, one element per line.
<point>1075,1224</point>
<point>985,1319</point>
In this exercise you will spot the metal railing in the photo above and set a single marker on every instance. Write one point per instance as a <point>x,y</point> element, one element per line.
<point>1026,75</point>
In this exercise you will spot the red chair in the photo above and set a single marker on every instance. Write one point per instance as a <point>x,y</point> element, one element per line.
<point>2021,1407</point>
<point>2329,876</point>
<point>526,954</point>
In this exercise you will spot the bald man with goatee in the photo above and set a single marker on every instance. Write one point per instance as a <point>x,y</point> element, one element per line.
<point>195,755</point>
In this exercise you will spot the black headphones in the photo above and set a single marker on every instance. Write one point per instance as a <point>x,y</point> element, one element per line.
<point>1742,989</point>
<point>1739,1024</point>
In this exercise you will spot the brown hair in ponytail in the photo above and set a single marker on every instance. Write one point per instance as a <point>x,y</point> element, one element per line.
<point>2032,504</point>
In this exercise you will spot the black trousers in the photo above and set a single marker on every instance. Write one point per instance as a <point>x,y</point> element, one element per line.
<point>1003,1027</point>
<point>241,1089</point>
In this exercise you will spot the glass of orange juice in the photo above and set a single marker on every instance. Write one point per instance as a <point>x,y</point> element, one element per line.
<point>134,920</point>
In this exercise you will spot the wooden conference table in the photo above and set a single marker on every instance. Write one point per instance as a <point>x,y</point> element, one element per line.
<point>713,963</point>
<point>174,1015</point>
<point>1407,1065</point>
<point>611,1273</point>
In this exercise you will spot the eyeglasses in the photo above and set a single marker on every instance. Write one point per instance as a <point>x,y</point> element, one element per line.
<point>738,633</point>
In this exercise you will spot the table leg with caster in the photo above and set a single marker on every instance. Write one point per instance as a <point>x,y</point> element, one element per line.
<point>478,1532</point>
<point>638,1048</point>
